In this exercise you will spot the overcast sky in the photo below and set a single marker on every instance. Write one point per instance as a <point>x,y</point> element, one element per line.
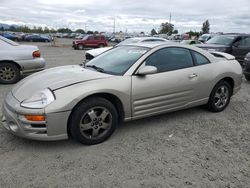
<point>130,15</point>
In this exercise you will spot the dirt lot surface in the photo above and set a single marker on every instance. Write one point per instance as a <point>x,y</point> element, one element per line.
<point>190,148</point>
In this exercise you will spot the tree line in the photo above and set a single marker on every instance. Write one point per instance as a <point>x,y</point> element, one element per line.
<point>26,29</point>
<point>165,28</point>
<point>168,28</point>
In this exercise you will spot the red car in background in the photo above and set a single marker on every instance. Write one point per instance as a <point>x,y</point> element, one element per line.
<point>94,41</point>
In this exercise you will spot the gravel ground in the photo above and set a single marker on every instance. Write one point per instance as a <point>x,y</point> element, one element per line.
<point>189,148</point>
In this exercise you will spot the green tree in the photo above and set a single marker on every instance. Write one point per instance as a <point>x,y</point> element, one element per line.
<point>205,27</point>
<point>153,32</point>
<point>80,31</point>
<point>175,31</point>
<point>12,28</point>
<point>46,30</point>
<point>64,30</point>
<point>90,32</point>
<point>166,28</point>
<point>39,29</point>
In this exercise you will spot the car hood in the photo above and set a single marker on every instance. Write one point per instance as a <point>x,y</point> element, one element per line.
<point>53,79</point>
<point>98,51</point>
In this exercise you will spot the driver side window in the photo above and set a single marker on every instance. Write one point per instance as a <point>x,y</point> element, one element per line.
<point>169,59</point>
<point>244,42</point>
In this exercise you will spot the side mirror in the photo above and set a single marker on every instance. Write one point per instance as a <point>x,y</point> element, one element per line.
<point>147,70</point>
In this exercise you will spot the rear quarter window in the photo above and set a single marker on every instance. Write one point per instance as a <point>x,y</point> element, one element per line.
<point>200,59</point>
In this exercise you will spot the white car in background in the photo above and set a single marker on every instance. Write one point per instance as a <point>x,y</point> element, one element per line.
<point>17,60</point>
<point>90,54</point>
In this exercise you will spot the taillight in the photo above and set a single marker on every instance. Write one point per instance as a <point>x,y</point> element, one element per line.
<point>36,54</point>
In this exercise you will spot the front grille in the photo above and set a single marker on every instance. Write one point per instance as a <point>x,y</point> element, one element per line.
<point>38,125</point>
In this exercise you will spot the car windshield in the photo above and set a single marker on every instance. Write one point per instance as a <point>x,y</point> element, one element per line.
<point>203,37</point>
<point>222,39</point>
<point>85,37</point>
<point>9,41</point>
<point>118,60</point>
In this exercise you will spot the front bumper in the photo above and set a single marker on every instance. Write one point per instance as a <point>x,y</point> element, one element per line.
<point>54,128</point>
<point>246,67</point>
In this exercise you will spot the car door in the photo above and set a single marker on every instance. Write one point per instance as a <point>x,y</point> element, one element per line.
<point>170,88</point>
<point>241,48</point>
<point>90,41</point>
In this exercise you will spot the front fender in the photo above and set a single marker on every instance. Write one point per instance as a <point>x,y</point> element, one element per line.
<point>67,98</point>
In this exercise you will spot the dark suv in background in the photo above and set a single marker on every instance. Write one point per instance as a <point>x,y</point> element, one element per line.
<point>236,44</point>
<point>246,66</point>
<point>93,41</point>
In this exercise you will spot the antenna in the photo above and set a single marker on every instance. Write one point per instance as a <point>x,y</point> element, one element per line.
<point>170,16</point>
<point>114,26</point>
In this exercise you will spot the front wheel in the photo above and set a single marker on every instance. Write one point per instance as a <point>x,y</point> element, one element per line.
<point>93,121</point>
<point>220,96</point>
<point>80,47</point>
<point>247,77</point>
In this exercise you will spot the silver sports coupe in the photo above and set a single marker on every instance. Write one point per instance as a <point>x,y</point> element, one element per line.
<point>128,82</point>
<point>17,60</point>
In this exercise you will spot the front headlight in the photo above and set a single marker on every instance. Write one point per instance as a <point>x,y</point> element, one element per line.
<point>39,100</point>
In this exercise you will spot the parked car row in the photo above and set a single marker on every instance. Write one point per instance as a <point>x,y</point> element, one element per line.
<point>26,37</point>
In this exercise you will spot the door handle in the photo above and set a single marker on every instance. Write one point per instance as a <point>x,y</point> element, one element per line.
<point>193,75</point>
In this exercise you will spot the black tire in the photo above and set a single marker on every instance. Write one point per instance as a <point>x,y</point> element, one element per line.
<point>100,45</point>
<point>218,97</point>
<point>9,73</point>
<point>247,77</point>
<point>80,47</point>
<point>82,126</point>
<point>31,40</point>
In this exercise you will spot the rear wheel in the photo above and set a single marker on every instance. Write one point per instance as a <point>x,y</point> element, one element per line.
<point>93,121</point>
<point>80,46</point>
<point>247,77</point>
<point>220,96</point>
<point>101,46</point>
<point>9,73</point>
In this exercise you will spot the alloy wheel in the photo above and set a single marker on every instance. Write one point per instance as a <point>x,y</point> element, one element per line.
<point>95,122</point>
<point>221,96</point>
<point>7,73</point>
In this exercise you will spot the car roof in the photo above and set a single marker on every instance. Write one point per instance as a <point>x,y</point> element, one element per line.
<point>152,45</point>
<point>148,44</point>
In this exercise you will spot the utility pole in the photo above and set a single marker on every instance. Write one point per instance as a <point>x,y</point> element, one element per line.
<point>85,28</point>
<point>170,16</point>
<point>114,26</point>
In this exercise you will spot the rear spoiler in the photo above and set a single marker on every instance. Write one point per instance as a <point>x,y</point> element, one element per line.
<point>222,54</point>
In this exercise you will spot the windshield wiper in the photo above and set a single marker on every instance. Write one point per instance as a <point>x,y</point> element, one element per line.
<point>99,69</point>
